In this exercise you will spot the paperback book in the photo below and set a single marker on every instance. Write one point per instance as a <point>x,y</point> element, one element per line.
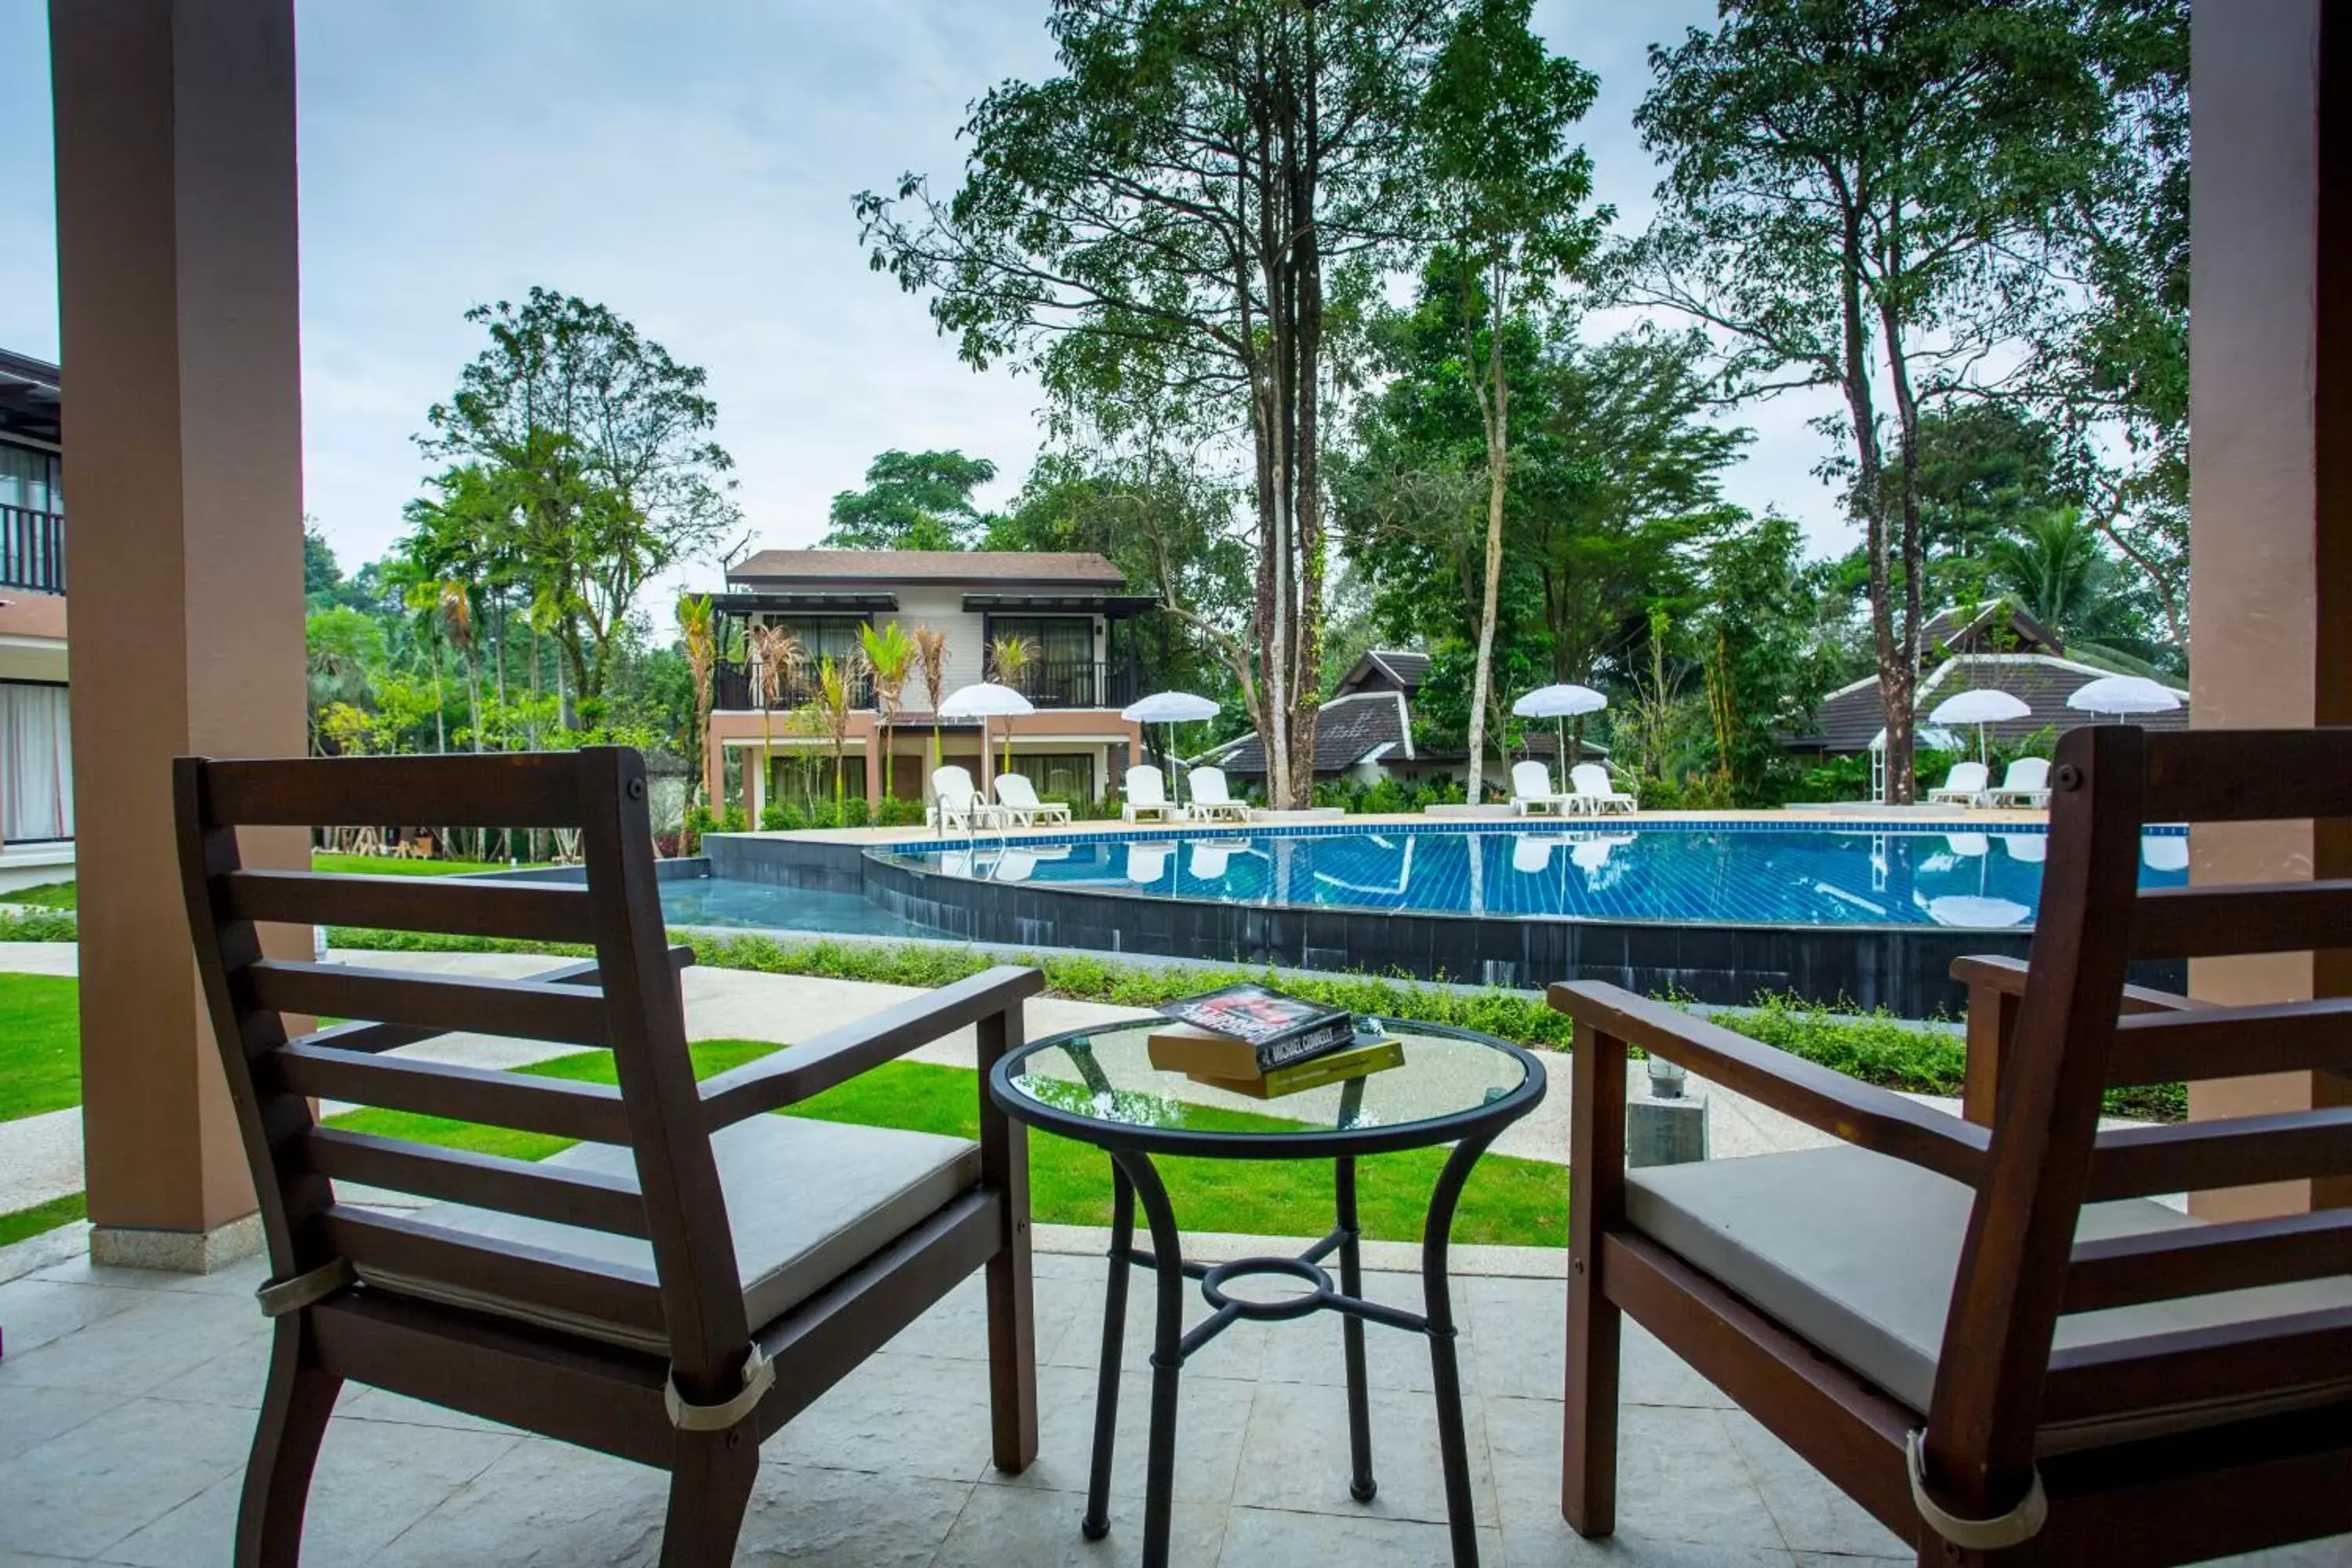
<point>1279,1030</point>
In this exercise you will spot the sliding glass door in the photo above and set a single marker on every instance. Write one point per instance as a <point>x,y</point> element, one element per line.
<point>35,763</point>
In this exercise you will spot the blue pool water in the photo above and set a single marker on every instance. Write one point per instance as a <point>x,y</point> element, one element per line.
<point>1835,875</point>
<point>716,901</point>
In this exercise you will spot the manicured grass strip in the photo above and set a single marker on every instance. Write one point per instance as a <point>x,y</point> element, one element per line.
<point>42,925</point>
<point>41,1045</point>
<point>1513,1202</point>
<point>47,896</point>
<point>388,866</point>
<point>41,1217</point>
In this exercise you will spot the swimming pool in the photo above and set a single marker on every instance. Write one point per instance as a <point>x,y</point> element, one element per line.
<point>1736,873</point>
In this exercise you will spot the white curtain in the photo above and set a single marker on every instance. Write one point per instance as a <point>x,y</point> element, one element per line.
<point>35,763</point>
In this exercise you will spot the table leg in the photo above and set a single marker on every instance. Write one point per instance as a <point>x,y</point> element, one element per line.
<point>1444,1367</point>
<point>1360,1485</point>
<point>1122,1246</point>
<point>1167,1353</point>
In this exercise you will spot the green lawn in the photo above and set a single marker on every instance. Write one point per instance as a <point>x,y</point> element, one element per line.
<point>47,896</point>
<point>1508,1200</point>
<point>41,1045</point>
<point>33,1221</point>
<point>386,866</point>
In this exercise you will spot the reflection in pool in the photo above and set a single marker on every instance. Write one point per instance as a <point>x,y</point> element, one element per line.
<point>1989,879</point>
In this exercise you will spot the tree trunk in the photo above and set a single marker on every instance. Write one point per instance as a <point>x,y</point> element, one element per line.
<point>1854,375</point>
<point>1494,403</point>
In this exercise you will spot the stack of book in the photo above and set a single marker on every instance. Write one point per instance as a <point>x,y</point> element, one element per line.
<point>1255,1041</point>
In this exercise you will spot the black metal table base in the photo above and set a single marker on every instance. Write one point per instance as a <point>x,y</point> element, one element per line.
<point>1135,1176</point>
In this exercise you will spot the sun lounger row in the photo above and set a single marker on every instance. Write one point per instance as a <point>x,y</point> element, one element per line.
<point>1589,793</point>
<point>1146,792</point>
<point>958,802</point>
<point>2026,783</point>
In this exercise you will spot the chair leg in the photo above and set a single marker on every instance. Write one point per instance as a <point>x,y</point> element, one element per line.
<point>1013,1356</point>
<point>709,1487</point>
<point>1587,1491</point>
<point>294,1406</point>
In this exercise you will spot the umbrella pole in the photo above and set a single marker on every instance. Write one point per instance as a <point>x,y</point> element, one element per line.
<point>1175,780</point>
<point>1563,751</point>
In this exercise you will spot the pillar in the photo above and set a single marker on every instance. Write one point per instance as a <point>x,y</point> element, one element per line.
<point>175,164</point>
<point>2271,596</point>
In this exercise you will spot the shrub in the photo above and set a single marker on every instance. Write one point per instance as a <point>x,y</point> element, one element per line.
<point>899,813</point>
<point>773,817</point>
<point>824,814</point>
<point>855,812</point>
<point>41,925</point>
<point>698,822</point>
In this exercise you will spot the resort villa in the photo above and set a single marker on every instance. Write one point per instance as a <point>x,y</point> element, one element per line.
<point>37,812</point>
<point>646,1207</point>
<point>1072,613</point>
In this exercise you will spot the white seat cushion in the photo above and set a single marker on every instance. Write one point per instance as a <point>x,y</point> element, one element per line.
<point>1856,1254</point>
<point>808,1200</point>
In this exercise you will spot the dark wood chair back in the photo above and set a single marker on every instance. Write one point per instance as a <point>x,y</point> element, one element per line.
<point>625,1000</point>
<point>2078,1030</point>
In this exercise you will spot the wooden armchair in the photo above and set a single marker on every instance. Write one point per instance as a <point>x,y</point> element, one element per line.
<point>1991,1336</point>
<point>673,1287</point>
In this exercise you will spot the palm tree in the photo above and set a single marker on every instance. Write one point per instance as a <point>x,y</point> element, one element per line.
<point>694,624</point>
<point>2056,569</point>
<point>1009,656</point>
<point>931,655</point>
<point>891,655</point>
<point>836,685</point>
<point>776,659</point>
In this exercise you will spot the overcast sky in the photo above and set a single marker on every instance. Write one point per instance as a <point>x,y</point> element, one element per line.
<point>691,167</point>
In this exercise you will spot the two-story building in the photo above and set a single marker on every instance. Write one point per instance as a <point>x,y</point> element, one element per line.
<point>1072,612</point>
<point>36,815</point>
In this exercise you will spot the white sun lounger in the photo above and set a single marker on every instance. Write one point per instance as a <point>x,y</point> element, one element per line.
<point>1017,801</point>
<point>2026,783</point>
<point>1145,792</point>
<point>1964,786</point>
<point>1210,801</point>
<point>1595,794</point>
<point>1532,791</point>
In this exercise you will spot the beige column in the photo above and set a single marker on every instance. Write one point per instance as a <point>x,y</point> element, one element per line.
<point>2270,601</point>
<point>175,162</point>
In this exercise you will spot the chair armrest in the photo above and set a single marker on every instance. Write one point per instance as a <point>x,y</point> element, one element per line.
<point>834,1057</point>
<point>2007,976</point>
<point>1859,1113</point>
<point>584,972</point>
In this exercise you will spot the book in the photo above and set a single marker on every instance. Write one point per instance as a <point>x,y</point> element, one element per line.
<point>1332,1067</point>
<point>1280,1028</point>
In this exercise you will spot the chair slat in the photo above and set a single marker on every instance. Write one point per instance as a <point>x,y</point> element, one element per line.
<point>560,1193</point>
<point>2197,1260</point>
<point>611,1292</point>
<point>2206,775</point>
<point>2237,1151</point>
<point>529,911</point>
<point>2229,1361</point>
<point>522,1009</point>
<point>2232,1042</point>
<point>590,1112</point>
<point>524,789</point>
<point>2250,917</point>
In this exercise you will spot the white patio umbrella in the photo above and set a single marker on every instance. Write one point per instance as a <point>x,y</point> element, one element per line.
<point>1171,709</point>
<point>2124,694</point>
<point>1983,913</point>
<point>984,701</point>
<point>1979,707</point>
<point>1562,703</point>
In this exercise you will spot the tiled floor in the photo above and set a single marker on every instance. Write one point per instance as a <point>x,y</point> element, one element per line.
<point>127,1399</point>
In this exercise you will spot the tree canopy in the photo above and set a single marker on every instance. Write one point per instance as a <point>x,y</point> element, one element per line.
<point>912,500</point>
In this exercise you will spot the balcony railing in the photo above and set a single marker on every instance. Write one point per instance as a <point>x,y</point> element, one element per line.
<point>1073,683</point>
<point>733,691</point>
<point>31,548</point>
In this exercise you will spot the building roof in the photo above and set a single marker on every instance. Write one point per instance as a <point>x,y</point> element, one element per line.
<point>1385,669</point>
<point>1999,626</point>
<point>892,567</point>
<point>30,397</point>
<point>1851,717</point>
<point>1349,729</point>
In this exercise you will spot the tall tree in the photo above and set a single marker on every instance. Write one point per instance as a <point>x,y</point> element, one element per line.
<point>912,500</point>
<point>600,443</point>
<point>1506,191</point>
<point>1182,211</point>
<point>1856,199</point>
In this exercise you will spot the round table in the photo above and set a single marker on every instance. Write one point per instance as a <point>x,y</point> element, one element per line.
<point>1098,1086</point>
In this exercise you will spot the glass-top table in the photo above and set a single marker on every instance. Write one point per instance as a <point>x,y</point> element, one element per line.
<point>1098,1086</point>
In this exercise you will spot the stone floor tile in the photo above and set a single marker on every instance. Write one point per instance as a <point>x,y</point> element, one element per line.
<point>1037,1527</point>
<point>373,1480</point>
<point>2332,1553</point>
<point>168,1333</point>
<point>1308,1351</point>
<point>920,1416</point>
<point>958,1327</point>
<point>1679,1476</point>
<point>542,1505</point>
<point>1552,1544</point>
<point>1263,1538</point>
<point>1212,1417</point>
<point>1812,1514</point>
<point>235,1377</point>
<point>31,1417</point>
<point>1235,1353</point>
<point>1296,1455</point>
<point>1847,1559</point>
<point>82,1491</point>
<point>360,1403</point>
<point>813,1517</point>
<point>29,1560</point>
<point>35,1311</point>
